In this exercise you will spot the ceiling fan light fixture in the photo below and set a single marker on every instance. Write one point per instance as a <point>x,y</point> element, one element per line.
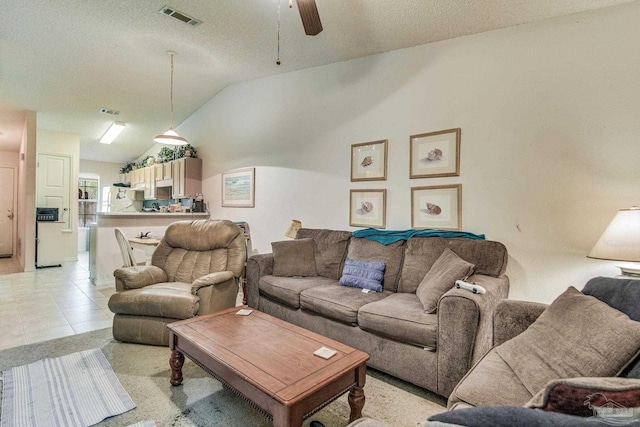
<point>170,137</point>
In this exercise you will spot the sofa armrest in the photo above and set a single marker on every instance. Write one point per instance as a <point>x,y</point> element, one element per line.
<point>210,280</point>
<point>465,328</point>
<point>257,266</point>
<point>512,317</point>
<point>138,277</point>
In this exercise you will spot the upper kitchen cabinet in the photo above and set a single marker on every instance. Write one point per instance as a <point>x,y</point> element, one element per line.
<point>186,174</point>
<point>149,182</point>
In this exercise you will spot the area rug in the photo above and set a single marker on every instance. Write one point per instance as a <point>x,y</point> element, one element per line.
<point>76,390</point>
<point>144,373</point>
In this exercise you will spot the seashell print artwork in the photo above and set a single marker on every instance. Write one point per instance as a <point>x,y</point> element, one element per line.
<point>435,154</point>
<point>367,161</point>
<point>433,209</point>
<point>366,207</point>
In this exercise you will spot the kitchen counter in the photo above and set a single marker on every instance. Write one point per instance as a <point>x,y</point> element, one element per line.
<point>104,253</point>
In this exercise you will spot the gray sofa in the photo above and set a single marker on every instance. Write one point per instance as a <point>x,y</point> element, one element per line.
<point>431,350</point>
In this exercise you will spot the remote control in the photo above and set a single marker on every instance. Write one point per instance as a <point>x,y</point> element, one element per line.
<point>476,289</point>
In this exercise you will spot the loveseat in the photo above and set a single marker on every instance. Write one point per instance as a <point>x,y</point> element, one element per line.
<point>430,349</point>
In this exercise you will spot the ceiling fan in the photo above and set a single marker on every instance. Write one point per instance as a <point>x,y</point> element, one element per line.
<point>309,15</point>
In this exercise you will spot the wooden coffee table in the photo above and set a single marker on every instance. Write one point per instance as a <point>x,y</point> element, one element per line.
<point>270,362</point>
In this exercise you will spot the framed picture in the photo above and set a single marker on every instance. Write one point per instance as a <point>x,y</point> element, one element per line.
<point>368,208</point>
<point>238,188</point>
<point>369,161</point>
<point>435,154</point>
<point>439,206</point>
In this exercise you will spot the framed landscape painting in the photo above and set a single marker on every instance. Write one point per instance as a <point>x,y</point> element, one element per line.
<point>368,208</point>
<point>435,154</point>
<point>238,188</point>
<point>438,206</point>
<point>369,161</point>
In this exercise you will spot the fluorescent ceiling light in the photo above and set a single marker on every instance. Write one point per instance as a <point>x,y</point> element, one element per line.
<point>113,132</point>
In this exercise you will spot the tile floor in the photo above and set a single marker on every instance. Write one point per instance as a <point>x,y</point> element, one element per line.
<point>50,303</point>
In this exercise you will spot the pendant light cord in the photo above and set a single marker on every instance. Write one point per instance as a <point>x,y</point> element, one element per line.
<point>278,59</point>
<point>171,94</point>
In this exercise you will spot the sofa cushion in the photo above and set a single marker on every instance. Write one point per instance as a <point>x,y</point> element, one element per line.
<point>400,317</point>
<point>363,274</point>
<point>489,258</point>
<point>330,250</point>
<point>576,336</point>
<point>367,250</point>
<point>580,396</point>
<point>294,258</point>
<point>287,289</point>
<point>442,276</point>
<point>337,302</point>
<point>490,382</point>
<point>172,299</point>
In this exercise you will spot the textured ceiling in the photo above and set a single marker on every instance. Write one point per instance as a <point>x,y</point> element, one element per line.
<point>66,59</point>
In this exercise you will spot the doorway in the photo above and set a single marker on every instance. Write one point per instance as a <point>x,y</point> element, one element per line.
<point>7,210</point>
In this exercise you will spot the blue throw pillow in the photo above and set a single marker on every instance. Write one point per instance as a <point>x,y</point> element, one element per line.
<point>363,274</point>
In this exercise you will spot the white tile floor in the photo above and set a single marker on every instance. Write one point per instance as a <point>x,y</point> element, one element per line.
<point>50,303</point>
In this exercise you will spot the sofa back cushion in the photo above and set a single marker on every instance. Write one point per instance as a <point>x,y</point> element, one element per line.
<point>330,250</point>
<point>363,249</point>
<point>489,258</point>
<point>192,249</point>
<point>294,258</point>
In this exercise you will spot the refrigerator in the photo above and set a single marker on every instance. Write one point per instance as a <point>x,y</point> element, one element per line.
<point>124,199</point>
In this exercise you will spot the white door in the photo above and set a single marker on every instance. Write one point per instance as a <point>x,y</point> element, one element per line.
<point>6,211</point>
<point>54,185</point>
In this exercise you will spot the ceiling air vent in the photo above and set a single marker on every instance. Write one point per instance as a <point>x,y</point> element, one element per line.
<point>169,11</point>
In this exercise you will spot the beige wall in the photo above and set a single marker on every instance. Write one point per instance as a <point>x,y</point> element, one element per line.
<point>26,211</point>
<point>69,145</point>
<point>550,139</point>
<point>107,172</point>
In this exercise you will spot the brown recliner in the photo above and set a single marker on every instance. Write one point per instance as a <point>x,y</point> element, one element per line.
<point>194,271</point>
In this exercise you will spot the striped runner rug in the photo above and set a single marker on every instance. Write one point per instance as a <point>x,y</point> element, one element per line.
<point>79,389</point>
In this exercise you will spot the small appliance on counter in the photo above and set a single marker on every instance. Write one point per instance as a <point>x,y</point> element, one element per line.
<point>198,204</point>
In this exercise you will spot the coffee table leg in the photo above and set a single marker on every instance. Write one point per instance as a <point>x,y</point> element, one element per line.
<point>356,394</point>
<point>176,361</point>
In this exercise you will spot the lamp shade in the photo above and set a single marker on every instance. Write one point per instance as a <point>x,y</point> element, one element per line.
<point>621,239</point>
<point>170,137</point>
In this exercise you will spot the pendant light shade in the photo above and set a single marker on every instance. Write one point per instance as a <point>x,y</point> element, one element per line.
<point>170,137</point>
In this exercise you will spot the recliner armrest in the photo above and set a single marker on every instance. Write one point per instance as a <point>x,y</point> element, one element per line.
<point>210,280</point>
<point>512,317</point>
<point>138,277</point>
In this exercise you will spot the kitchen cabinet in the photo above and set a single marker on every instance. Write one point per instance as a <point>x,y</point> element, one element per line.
<point>149,183</point>
<point>163,175</point>
<point>186,175</point>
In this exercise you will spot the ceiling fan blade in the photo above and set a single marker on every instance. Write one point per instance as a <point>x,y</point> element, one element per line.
<point>310,17</point>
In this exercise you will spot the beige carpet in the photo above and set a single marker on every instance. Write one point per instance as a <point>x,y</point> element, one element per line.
<point>201,401</point>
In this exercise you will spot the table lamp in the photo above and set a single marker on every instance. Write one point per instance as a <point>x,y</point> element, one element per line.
<point>621,242</point>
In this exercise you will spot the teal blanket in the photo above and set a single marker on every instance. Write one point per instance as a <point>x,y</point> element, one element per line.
<point>387,237</point>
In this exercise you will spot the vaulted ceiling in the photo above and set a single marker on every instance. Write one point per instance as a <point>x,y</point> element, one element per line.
<point>67,59</point>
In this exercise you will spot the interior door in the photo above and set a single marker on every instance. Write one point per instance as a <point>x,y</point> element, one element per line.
<point>54,185</point>
<point>6,211</point>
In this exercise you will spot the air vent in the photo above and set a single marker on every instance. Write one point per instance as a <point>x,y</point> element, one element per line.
<point>109,111</point>
<point>169,11</point>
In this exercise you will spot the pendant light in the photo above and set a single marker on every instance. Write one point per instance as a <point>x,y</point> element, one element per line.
<point>170,137</point>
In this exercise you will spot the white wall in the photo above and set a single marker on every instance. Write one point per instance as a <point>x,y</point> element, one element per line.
<point>67,144</point>
<point>550,139</point>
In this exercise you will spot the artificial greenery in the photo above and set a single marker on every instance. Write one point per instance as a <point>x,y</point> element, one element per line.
<point>166,154</point>
<point>181,151</point>
<point>127,168</point>
<point>145,162</point>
